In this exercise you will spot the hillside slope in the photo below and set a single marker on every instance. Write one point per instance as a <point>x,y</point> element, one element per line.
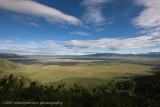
<point>7,65</point>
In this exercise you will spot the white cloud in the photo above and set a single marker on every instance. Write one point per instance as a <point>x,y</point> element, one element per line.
<point>82,46</point>
<point>79,33</point>
<point>93,12</point>
<point>155,50</point>
<point>100,29</point>
<point>6,41</point>
<point>93,2</point>
<point>33,24</point>
<point>49,42</point>
<point>113,44</point>
<point>31,47</point>
<point>25,20</point>
<point>149,20</point>
<point>32,43</point>
<point>36,9</point>
<point>150,16</point>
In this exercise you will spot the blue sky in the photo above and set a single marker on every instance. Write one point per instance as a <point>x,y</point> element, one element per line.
<point>78,27</point>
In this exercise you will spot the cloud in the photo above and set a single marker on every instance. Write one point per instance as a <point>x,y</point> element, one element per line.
<point>32,43</point>
<point>52,47</point>
<point>100,29</point>
<point>6,41</point>
<point>36,9</point>
<point>79,33</point>
<point>93,13</point>
<point>149,20</point>
<point>155,50</point>
<point>33,24</point>
<point>113,44</point>
<point>31,47</point>
<point>25,20</point>
<point>150,16</point>
<point>49,42</point>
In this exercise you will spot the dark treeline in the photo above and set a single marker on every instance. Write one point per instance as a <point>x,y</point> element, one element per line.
<point>139,93</point>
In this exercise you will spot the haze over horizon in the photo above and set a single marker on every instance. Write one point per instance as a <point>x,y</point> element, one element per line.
<point>78,27</point>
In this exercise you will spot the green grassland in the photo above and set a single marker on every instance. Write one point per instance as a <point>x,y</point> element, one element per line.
<point>90,73</point>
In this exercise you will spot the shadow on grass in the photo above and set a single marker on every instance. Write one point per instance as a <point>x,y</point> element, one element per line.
<point>68,63</point>
<point>87,82</point>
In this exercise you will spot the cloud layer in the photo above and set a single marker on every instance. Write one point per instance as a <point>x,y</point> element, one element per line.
<point>79,33</point>
<point>150,16</point>
<point>93,13</point>
<point>149,19</point>
<point>80,46</point>
<point>36,9</point>
<point>113,44</point>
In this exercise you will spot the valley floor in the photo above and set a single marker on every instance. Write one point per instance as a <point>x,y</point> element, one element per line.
<point>91,73</point>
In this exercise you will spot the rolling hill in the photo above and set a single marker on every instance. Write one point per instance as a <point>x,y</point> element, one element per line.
<point>7,65</point>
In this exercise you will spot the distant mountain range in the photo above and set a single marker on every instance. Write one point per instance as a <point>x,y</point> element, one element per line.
<point>150,54</point>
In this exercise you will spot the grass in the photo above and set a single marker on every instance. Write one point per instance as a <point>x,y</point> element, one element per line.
<point>86,82</point>
<point>7,65</point>
<point>88,72</point>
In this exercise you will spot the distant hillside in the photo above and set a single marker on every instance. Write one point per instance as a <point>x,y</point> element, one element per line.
<point>7,65</point>
<point>151,54</point>
<point>10,55</point>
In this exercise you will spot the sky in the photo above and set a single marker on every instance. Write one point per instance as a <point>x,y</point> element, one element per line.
<point>79,27</point>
